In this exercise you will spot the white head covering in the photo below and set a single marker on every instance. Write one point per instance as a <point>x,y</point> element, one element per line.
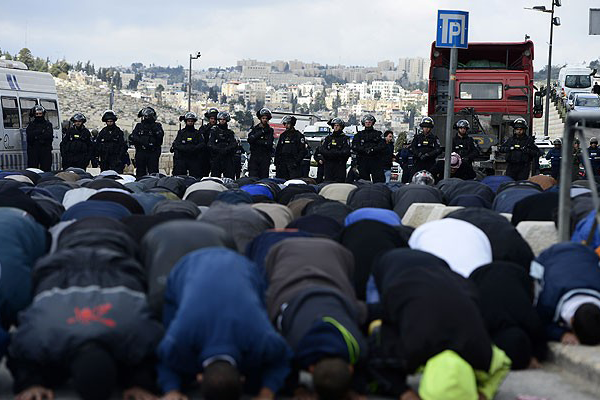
<point>462,245</point>
<point>204,185</point>
<point>77,195</point>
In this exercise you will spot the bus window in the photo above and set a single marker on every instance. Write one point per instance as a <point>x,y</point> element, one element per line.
<point>10,112</point>
<point>480,91</point>
<point>26,106</point>
<point>51,112</point>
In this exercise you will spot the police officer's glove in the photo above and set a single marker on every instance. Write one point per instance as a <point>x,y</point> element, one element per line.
<point>172,150</point>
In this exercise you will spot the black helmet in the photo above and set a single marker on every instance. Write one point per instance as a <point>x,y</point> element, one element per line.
<point>224,115</point>
<point>212,112</point>
<point>109,114</point>
<point>147,113</point>
<point>426,122</point>
<point>463,123</point>
<point>594,140</point>
<point>336,121</point>
<point>520,123</point>
<point>289,119</point>
<point>559,141</point>
<point>189,115</point>
<point>367,117</point>
<point>78,117</point>
<point>35,109</point>
<point>264,112</point>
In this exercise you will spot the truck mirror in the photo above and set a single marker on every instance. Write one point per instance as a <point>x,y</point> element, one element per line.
<point>538,106</point>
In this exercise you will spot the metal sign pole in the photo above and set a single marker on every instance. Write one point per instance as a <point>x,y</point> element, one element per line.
<point>450,112</point>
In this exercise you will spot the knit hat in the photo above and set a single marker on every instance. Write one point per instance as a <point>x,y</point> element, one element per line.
<point>455,160</point>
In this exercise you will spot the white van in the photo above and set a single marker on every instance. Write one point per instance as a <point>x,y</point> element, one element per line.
<point>577,78</point>
<point>20,90</point>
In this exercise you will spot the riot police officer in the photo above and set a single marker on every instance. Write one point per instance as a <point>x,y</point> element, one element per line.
<point>594,155</point>
<point>407,161</point>
<point>520,149</point>
<point>222,145</point>
<point>261,145</point>
<point>335,151</point>
<point>465,147</point>
<point>211,117</point>
<point>290,150</point>
<point>111,148</point>
<point>425,147</point>
<point>147,138</point>
<point>369,147</point>
<point>39,140</point>
<point>76,146</point>
<point>555,156</point>
<point>187,146</point>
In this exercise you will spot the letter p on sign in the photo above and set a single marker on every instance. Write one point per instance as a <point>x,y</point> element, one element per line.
<point>452,29</point>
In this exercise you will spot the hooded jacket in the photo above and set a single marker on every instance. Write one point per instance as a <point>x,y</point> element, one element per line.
<point>376,214</point>
<point>505,200</point>
<point>375,195</point>
<point>453,187</point>
<point>206,315</point>
<point>569,269</point>
<point>414,193</point>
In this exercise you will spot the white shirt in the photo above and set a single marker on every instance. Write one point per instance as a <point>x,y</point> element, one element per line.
<point>570,306</point>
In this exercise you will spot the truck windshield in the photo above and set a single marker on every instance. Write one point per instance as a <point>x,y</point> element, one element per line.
<point>578,81</point>
<point>480,91</point>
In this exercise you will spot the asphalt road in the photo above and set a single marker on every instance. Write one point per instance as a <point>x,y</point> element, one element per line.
<point>548,383</point>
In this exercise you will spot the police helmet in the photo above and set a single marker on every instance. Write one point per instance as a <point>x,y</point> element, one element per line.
<point>78,117</point>
<point>367,117</point>
<point>426,122</point>
<point>223,115</point>
<point>264,112</point>
<point>289,119</point>
<point>35,109</point>
<point>594,140</point>
<point>109,114</point>
<point>190,115</point>
<point>559,141</point>
<point>212,112</point>
<point>423,177</point>
<point>463,123</point>
<point>147,113</point>
<point>336,121</point>
<point>520,123</point>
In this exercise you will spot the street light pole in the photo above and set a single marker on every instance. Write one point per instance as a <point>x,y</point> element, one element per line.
<point>192,57</point>
<point>549,73</point>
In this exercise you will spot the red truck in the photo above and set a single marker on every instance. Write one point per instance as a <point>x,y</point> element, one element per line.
<point>494,86</point>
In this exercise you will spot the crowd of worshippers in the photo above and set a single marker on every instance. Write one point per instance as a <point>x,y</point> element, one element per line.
<point>214,149</point>
<point>168,285</point>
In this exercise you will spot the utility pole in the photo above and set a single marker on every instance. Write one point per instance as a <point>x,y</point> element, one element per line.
<point>192,57</point>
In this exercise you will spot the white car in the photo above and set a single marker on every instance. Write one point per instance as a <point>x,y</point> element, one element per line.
<point>585,102</point>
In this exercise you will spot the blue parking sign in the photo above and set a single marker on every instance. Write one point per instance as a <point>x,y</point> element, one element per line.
<point>452,29</point>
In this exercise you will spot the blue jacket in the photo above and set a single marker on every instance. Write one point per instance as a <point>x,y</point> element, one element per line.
<point>494,181</point>
<point>213,306</point>
<point>595,159</point>
<point>569,269</point>
<point>554,155</point>
<point>583,228</point>
<point>388,217</point>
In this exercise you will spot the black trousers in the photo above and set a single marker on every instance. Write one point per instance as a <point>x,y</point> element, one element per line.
<point>187,165</point>
<point>258,165</point>
<point>222,166</point>
<point>146,162</point>
<point>407,173</point>
<point>334,171</point>
<point>519,172</point>
<point>39,157</point>
<point>371,169</point>
<point>288,170</point>
<point>204,164</point>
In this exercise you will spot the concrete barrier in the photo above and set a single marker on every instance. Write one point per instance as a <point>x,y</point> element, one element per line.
<point>539,234</point>
<point>441,212</point>
<point>418,213</point>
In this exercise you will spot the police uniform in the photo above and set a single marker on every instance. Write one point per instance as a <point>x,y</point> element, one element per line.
<point>519,153</point>
<point>76,148</point>
<point>335,151</point>
<point>466,148</point>
<point>369,147</point>
<point>289,153</point>
<point>222,145</point>
<point>187,148</point>
<point>110,148</point>
<point>261,148</point>
<point>425,149</point>
<point>407,163</point>
<point>39,144</point>
<point>205,152</point>
<point>147,138</point>
<point>595,159</point>
<point>555,156</point>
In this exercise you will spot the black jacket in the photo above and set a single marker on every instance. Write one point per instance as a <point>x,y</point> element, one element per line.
<point>291,147</point>
<point>76,146</point>
<point>147,135</point>
<point>188,143</point>
<point>465,147</point>
<point>222,142</point>
<point>110,147</point>
<point>40,133</point>
<point>336,147</point>
<point>368,143</point>
<point>426,147</point>
<point>519,150</point>
<point>261,140</point>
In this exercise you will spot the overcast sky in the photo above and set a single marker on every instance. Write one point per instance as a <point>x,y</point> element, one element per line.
<point>350,32</point>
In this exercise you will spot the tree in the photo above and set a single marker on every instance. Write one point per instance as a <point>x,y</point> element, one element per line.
<point>60,68</point>
<point>213,94</point>
<point>259,104</point>
<point>40,65</point>
<point>241,101</point>
<point>337,102</point>
<point>78,66</point>
<point>377,96</point>
<point>117,81</point>
<point>26,57</point>
<point>158,92</point>
<point>244,118</point>
<point>223,99</point>
<point>352,120</point>
<point>294,101</point>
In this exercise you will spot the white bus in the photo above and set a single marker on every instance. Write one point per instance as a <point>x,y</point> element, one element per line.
<point>574,78</point>
<point>20,90</point>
